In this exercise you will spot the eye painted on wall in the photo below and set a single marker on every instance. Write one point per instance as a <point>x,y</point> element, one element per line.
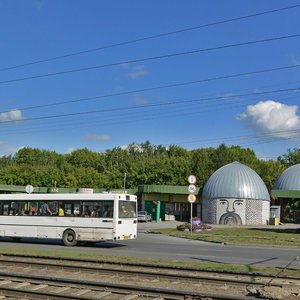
<point>223,202</point>
<point>238,202</point>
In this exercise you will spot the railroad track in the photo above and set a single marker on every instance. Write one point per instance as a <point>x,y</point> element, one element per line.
<point>60,278</point>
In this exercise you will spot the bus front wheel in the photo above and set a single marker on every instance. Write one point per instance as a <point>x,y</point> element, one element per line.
<point>69,238</point>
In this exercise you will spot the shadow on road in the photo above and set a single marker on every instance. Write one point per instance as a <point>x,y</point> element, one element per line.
<point>25,241</point>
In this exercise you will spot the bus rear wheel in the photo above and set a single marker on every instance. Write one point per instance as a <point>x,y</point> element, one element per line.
<point>69,238</point>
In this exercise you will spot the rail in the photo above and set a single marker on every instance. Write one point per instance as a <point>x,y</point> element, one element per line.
<point>61,277</point>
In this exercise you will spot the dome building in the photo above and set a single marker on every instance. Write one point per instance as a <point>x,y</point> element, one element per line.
<point>289,180</point>
<point>286,195</point>
<point>235,194</point>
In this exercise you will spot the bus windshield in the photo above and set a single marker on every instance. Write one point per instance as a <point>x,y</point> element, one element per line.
<point>127,209</point>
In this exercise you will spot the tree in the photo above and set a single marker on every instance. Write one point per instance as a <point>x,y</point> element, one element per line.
<point>84,158</point>
<point>225,155</point>
<point>6,161</point>
<point>202,165</point>
<point>292,157</point>
<point>269,171</point>
<point>90,178</point>
<point>69,180</point>
<point>19,175</point>
<point>143,164</point>
<point>34,156</point>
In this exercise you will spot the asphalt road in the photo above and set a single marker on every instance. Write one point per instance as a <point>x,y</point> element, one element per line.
<point>160,246</point>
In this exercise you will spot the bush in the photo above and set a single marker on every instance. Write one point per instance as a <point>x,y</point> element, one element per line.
<point>195,228</point>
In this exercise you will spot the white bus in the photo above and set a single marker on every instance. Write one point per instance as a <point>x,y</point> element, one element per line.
<point>70,217</point>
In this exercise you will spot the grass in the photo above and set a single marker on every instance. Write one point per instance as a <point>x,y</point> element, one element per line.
<point>241,236</point>
<point>153,262</point>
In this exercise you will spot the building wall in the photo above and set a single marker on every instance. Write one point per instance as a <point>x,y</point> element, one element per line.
<point>236,211</point>
<point>209,211</point>
<point>258,212</point>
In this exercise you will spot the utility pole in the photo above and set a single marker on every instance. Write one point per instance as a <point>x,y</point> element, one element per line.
<point>124,185</point>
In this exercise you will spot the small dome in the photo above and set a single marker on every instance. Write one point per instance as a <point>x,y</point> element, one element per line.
<point>289,179</point>
<point>235,180</point>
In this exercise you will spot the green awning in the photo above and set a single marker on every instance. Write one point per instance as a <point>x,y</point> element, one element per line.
<point>165,189</point>
<point>285,194</point>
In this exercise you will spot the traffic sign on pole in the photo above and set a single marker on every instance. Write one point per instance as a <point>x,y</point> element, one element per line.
<point>191,198</point>
<point>192,179</point>
<point>192,189</point>
<point>29,188</point>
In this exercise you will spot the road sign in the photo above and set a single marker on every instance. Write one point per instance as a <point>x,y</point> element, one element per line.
<point>192,198</point>
<point>192,189</point>
<point>192,179</point>
<point>29,188</point>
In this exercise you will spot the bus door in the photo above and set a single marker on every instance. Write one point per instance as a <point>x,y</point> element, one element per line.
<point>127,219</point>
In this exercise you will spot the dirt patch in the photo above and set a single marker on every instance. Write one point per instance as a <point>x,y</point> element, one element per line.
<point>275,293</point>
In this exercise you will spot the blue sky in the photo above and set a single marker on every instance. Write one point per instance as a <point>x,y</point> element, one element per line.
<point>102,74</point>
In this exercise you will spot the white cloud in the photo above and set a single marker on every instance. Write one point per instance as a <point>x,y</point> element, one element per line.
<point>295,60</point>
<point>277,119</point>
<point>13,115</point>
<point>99,138</point>
<point>39,4</point>
<point>134,71</point>
<point>70,150</point>
<point>139,100</point>
<point>7,149</point>
<point>137,72</point>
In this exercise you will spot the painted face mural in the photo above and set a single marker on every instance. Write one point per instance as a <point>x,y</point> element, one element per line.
<point>231,211</point>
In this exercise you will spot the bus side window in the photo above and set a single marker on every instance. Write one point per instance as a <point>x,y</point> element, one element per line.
<point>86,212</point>
<point>14,208</point>
<point>24,209</point>
<point>108,209</point>
<point>62,210</point>
<point>53,206</point>
<point>76,211</point>
<point>68,209</point>
<point>108,213</point>
<point>94,212</point>
<point>5,209</point>
<point>32,208</point>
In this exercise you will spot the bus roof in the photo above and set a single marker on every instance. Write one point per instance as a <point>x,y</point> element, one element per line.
<point>75,196</point>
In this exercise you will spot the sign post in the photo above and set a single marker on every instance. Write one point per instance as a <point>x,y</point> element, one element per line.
<point>191,196</point>
<point>191,199</point>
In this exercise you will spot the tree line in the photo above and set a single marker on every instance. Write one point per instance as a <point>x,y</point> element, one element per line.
<point>143,163</point>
